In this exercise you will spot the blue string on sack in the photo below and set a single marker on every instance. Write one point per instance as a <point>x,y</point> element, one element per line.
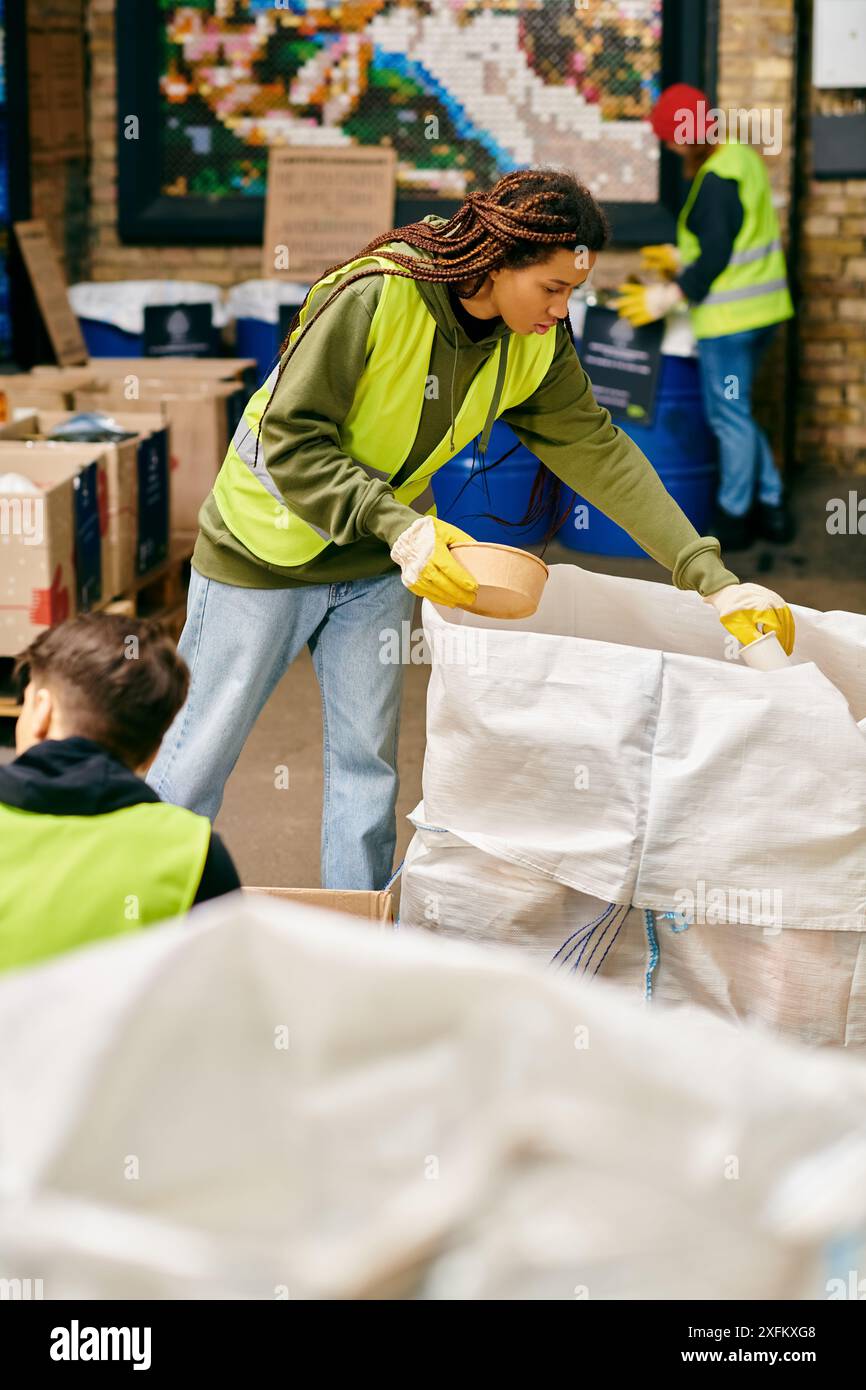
<point>653,943</point>
<point>595,931</point>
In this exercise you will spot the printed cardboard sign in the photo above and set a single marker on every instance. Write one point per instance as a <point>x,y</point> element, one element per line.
<point>49,286</point>
<point>354,203</point>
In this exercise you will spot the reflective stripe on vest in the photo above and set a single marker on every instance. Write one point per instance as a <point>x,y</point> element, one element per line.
<point>757,253</point>
<point>747,292</point>
<point>752,290</point>
<point>69,880</point>
<point>382,423</point>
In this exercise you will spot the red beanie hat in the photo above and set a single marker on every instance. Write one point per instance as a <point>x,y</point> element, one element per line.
<point>667,117</point>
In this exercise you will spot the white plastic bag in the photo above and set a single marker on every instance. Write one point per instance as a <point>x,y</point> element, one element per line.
<point>261,299</point>
<point>123,302</point>
<point>269,1100</point>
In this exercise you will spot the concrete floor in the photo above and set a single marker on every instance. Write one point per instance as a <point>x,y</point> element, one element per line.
<point>274,834</point>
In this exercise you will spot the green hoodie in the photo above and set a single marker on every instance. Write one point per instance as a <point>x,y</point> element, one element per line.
<point>561,423</point>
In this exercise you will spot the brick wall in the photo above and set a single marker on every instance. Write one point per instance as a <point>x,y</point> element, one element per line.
<point>831,394</point>
<point>56,98</point>
<point>756,69</point>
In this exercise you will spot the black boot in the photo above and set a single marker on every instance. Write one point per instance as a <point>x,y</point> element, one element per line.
<point>775,523</point>
<point>732,532</point>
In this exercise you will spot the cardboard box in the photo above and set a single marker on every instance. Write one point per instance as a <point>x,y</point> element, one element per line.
<point>65,379</point>
<point>143,525</point>
<point>202,416</point>
<point>45,463</point>
<point>373,907</point>
<point>121,503</point>
<point>50,545</point>
<point>243,370</point>
<point>206,368</point>
<point>23,393</point>
<point>37,577</point>
<point>153,462</point>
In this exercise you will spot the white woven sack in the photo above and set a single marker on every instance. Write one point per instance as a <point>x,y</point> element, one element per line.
<point>609,746</point>
<point>269,1100</point>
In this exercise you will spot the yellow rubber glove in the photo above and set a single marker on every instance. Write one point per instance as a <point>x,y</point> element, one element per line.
<point>749,610</point>
<point>664,259</point>
<point>429,569</point>
<point>642,304</point>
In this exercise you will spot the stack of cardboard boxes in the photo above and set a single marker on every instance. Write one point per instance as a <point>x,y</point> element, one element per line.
<point>103,515</point>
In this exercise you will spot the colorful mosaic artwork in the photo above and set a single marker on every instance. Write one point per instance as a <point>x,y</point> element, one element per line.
<point>464,90</point>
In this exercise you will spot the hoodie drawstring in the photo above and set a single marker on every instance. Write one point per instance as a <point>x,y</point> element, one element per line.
<point>497,396</point>
<point>453,375</point>
<point>494,403</point>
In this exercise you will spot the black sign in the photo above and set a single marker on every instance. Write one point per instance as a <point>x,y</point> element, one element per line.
<point>88,540</point>
<point>623,364</point>
<point>179,330</point>
<point>153,498</point>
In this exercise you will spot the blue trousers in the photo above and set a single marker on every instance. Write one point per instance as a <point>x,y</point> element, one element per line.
<point>728,366</point>
<point>238,643</point>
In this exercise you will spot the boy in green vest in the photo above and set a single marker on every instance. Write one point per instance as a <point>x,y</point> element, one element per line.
<point>87,850</point>
<point>729,266</point>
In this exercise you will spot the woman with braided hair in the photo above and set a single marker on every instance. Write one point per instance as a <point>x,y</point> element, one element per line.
<point>321,526</point>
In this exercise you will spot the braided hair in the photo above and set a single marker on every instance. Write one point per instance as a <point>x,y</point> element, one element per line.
<point>521,220</point>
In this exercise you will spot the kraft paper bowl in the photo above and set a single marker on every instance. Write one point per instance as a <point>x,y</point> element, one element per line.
<point>510,581</point>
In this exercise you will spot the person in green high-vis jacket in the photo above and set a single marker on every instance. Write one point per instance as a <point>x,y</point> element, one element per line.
<point>321,528</point>
<point>729,267</point>
<point>87,849</point>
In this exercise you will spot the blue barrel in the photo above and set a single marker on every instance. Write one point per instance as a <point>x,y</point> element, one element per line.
<point>681,448</point>
<point>462,497</point>
<point>258,339</point>
<point>106,340</point>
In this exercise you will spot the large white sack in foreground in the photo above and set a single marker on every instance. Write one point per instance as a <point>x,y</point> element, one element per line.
<point>444,1122</point>
<point>604,751</point>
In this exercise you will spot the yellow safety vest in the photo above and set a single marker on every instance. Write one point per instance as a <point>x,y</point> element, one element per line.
<point>752,290</point>
<point>381,426</point>
<point>69,880</point>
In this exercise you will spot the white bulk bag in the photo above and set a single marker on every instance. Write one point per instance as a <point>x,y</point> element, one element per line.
<point>261,299</point>
<point>269,1100</point>
<point>607,746</point>
<point>123,302</point>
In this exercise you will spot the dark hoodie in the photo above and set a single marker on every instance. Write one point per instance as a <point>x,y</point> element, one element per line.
<point>561,423</point>
<point>77,777</point>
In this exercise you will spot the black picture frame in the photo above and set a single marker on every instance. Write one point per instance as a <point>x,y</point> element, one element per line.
<point>147,216</point>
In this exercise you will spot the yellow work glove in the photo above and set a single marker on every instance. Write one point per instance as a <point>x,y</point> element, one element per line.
<point>642,304</point>
<point>428,567</point>
<point>749,610</point>
<point>664,260</point>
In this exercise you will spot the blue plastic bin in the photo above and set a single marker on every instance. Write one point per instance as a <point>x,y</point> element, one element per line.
<point>255,338</point>
<point>256,307</point>
<point>105,340</point>
<point>504,489</point>
<point>682,449</point>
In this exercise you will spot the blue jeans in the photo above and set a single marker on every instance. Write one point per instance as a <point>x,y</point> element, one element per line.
<point>238,643</point>
<point>745,456</point>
